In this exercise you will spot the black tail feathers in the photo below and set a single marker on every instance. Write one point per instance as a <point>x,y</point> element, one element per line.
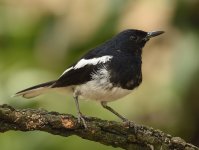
<point>35,90</point>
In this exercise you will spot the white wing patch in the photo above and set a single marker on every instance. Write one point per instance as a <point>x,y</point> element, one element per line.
<point>94,61</point>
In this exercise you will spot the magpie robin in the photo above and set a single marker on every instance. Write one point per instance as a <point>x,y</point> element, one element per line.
<point>106,73</point>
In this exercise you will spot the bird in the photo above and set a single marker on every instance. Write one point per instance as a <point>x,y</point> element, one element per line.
<point>106,73</point>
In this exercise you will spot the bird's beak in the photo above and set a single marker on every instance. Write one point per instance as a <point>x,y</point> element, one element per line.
<point>153,34</point>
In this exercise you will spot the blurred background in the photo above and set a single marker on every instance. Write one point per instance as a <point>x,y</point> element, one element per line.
<point>39,39</point>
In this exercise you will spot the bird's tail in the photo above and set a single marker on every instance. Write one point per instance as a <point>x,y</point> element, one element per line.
<point>35,90</point>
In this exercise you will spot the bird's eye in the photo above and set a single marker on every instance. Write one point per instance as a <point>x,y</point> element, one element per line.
<point>133,38</point>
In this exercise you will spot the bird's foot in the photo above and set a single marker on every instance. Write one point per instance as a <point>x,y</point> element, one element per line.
<point>81,118</point>
<point>126,122</point>
<point>129,124</point>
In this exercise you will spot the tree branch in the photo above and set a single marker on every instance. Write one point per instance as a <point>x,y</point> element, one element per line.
<point>105,132</point>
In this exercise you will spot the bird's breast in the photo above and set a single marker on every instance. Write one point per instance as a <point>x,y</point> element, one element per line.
<point>100,88</point>
<point>135,78</point>
<point>127,74</point>
<point>134,82</point>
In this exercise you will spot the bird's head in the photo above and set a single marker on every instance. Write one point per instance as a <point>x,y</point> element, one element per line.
<point>135,39</point>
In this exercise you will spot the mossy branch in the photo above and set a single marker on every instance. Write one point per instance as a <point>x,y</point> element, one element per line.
<point>105,132</point>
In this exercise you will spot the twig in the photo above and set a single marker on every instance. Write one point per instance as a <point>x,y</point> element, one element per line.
<point>105,132</point>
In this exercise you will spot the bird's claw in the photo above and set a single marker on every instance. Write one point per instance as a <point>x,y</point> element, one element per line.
<point>81,119</point>
<point>128,123</point>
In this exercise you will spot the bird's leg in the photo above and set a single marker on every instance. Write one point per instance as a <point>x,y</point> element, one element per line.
<point>126,121</point>
<point>80,116</point>
<point>104,104</point>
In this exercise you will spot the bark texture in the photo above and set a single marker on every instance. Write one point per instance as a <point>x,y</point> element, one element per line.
<point>131,137</point>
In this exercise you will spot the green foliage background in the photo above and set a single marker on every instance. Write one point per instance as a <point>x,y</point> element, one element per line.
<point>39,39</point>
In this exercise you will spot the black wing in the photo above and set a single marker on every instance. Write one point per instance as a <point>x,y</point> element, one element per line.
<point>82,71</point>
<point>83,74</point>
<point>76,76</point>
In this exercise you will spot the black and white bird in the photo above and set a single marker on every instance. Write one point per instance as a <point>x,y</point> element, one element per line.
<point>104,74</point>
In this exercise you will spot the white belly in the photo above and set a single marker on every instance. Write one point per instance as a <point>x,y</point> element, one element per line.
<point>101,91</point>
<point>100,88</point>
